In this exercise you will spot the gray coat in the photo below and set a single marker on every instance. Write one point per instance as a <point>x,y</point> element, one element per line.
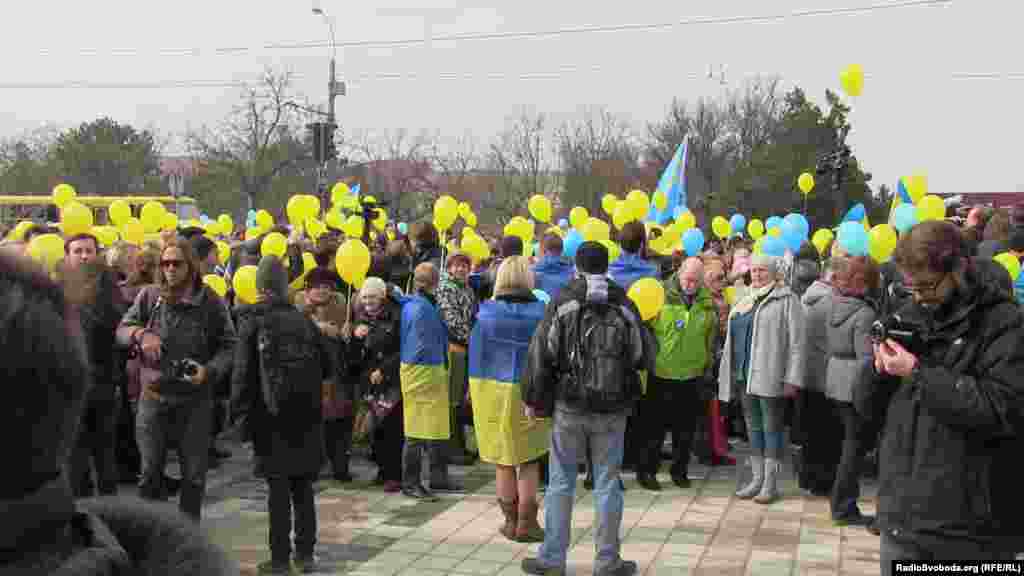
<point>849,347</point>
<point>777,348</point>
<point>817,301</point>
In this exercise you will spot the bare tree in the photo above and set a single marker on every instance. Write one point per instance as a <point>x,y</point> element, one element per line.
<point>259,140</point>
<point>519,159</point>
<point>664,137</point>
<point>397,168</point>
<point>599,155</point>
<point>458,162</point>
<point>754,114</point>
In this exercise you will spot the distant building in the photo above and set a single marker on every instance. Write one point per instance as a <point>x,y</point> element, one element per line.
<point>995,199</point>
<point>176,172</point>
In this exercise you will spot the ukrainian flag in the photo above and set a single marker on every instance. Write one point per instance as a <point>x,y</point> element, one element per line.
<point>498,348</point>
<point>424,376</point>
<point>902,196</point>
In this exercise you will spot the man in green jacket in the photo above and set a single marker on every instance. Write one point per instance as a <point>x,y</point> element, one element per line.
<point>686,329</point>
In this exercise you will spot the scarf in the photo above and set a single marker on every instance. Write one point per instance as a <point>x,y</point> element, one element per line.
<point>597,287</point>
<point>753,297</point>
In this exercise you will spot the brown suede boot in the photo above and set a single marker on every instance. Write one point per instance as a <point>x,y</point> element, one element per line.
<point>527,529</point>
<point>511,511</point>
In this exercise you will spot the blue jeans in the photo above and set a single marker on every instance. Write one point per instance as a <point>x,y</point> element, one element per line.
<point>569,436</point>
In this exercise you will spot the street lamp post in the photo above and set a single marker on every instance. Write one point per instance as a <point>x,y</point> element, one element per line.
<point>334,89</point>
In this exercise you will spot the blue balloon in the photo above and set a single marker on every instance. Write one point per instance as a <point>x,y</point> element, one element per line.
<point>693,241</point>
<point>571,243</point>
<point>901,190</point>
<point>791,236</point>
<point>541,295</point>
<point>563,223</point>
<point>738,223</point>
<point>856,214</point>
<point>904,217</point>
<point>853,238</point>
<point>403,228</point>
<point>802,226</point>
<point>773,222</point>
<point>678,212</point>
<point>251,213</point>
<point>773,246</point>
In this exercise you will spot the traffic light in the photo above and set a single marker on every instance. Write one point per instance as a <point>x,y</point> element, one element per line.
<point>318,142</point>
<point>330,150</point>
<point>323,141</point>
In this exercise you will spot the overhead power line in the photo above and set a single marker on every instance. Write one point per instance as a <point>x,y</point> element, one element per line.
<point>515,35</point>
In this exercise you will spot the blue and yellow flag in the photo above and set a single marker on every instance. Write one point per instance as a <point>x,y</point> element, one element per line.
<point>424,376</point>
<point>673,184</point>
<point>498,348</point>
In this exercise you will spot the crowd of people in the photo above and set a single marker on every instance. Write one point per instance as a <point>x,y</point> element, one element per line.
<point>908,371</point>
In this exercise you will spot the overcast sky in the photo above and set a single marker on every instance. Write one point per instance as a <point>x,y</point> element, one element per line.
<point>914,115</point>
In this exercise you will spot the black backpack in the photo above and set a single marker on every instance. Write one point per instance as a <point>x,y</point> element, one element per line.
<point>289,361</point>
<point>600,359</point>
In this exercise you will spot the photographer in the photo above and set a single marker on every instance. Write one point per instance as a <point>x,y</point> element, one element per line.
<point>955,352</point>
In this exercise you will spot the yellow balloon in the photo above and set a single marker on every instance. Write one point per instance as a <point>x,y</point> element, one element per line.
<point>76,218</point>
<point>608,204</point>
<point>579,216</point>
<point>1011,263</point>
<point>806,183</point>
<point>19,231</point>
<point>227,225</point>
<point>660,200</point>
<point>930,208</point>
<point>315,228</point>
<point>465,209</point>
<point>152,216</point>
<point>47,249</point>
<point>223,252</point>
<point>881,242</point>
<point>687,220</point>
<point>917,187</point>
<point>264,221</point>
<point>446,210</point>
<point>759,244</point>
<point>169,221</point>
<point>335,220</point>
<point>354,226</point>
<point>217,284</point>
<point>296,210</point>
<point>381,221</point>
<point>622,216</point>
<point>730,295</point>
<point>540,208</point>
<point>350,202</point>
<point>556,231</point>
<point>338,192</point>
<point>649,297</point>
<point>596,230</point>
<point>252,233</point>
<point>308,262</point>
<point>755,228</point>
<point>470,219</point>
<point>119,212</point>
<point>274,244</point>
<point>852,79</point>
<point>821,239</point>
<point>63,194</point>
<point>133,232</point>
<point>353,261</point>
<point>639,204</point>
<point>244,283</point>
<point>720,226</point>
<point>614,250</point>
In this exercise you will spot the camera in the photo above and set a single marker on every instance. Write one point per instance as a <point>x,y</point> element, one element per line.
<point>895,328</point>
<point>368,210</point>
<point>182,369</point>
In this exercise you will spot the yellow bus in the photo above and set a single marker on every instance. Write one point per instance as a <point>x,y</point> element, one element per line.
<point>41,208</point>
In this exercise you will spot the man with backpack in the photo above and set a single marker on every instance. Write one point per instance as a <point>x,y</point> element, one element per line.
<point>281,363</point>
<point>583,371</point>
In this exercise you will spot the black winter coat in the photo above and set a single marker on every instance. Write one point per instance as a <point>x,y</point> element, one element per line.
<point>379,350</point>
<point>952,440</point>
<point>283,414</point>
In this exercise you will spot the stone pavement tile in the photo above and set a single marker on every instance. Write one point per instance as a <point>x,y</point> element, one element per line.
<point>426,535</point>
<point>396,559</point>
<point>643,534</point>
<point>675,549</point>
<point>442,563</point>
<point>458,550</point>
<point>690,536</point>
<point>861,568</point>
<point>500,551</point>
<point>474,566</point>
<point>369,540</point>
<point>410,546</point>
<point>803,570</point>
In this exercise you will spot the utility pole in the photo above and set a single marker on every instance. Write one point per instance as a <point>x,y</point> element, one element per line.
<point>324,150</point>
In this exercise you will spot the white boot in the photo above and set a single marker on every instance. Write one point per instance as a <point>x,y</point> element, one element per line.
<point>769,493</point>
<point>752,489</point>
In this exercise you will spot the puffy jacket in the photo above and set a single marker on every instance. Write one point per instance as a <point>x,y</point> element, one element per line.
<point>817,301</point>
<point>686,334</point>
<point>954,431</point>
<point>850,356</point>
<point>548,379</point>
<point>631,267</point>
<point>802,275</point>
<point>281,398</point>
<point>552,274</point>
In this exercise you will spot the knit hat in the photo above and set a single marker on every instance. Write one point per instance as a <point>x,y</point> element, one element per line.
<point>271,277</point>
<point>769,262</point>
<point>592,258</point>
<point>511,246</point>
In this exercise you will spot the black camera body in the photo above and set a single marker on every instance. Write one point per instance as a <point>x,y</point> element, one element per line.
<point>182,369</point>
<point>368,210</point>
<point>896,328</point>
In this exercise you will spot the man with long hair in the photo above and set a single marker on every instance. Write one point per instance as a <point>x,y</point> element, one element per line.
<point>186,339</point>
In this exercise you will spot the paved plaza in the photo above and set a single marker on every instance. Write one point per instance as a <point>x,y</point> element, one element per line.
<point>701,530</point>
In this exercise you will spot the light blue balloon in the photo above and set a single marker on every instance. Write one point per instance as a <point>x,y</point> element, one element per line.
<point>791,236</point>
<point>773,246</point>
<point>693,241</point>
<point>773,222</point>
<point>738,223</point>
<point>853,238</point>
<point>251,213</point>
<point>678,212</point>
<point>571,243</point>
<point>403,228</point>
<point>803,227</point>
<point>563,223</point>
<point>904,218</point>
<point>541,295</point>
<point>856,213</point>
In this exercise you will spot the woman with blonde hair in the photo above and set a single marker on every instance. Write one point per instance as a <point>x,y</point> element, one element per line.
<point>498,349</point>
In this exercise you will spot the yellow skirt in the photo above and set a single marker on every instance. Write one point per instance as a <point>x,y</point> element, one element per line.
<point>504,434</point>
<point>425,408</point>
